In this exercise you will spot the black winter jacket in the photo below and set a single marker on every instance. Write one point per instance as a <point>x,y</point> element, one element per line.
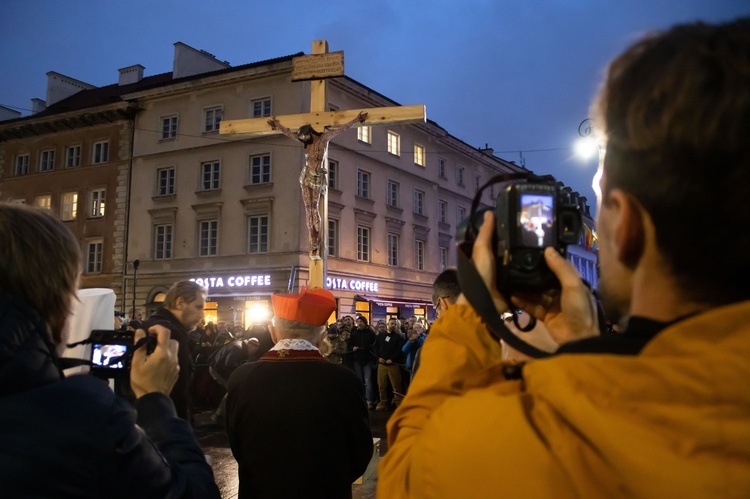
<point>73,437</point>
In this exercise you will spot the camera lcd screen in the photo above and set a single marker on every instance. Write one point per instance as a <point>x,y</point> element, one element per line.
<point>536,220</point>
<point>108,355</point>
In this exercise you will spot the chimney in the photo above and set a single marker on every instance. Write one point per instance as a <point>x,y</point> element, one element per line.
<point>189,61</point>
<point>61,87</point>
<point>37,106</point>
<point>131,74</point>
<point>487,150</point>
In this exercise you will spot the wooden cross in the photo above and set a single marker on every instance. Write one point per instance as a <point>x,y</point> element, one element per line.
<point>317,67</point>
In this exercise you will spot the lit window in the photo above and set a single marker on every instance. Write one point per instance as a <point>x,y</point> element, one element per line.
<point>96,203</point>
<point>419,154</point>
<point>47,161</point>
<point>364,134</point>
<point>392,193</point>
<point>459,175</point>
<point>210,173</point>
<point>363,184</point>
<point>442,211</point>
<point>393,249</point>
<point>73,156</point>
<point>260,169</point>
<point>94,257</point>
<point>363,244</point>
<point>418,202</point>
<point>419,254</point>
<point>165,179</point>
<point>101,152</point>
<point>44,202</point>
<point>22,164</point>
<point>212,118</point>
<point>394,143</point>
<point>169,127</point>
<point>333,174</point>
<point>163,242</point>
<point>69,206</point>
<point>333,237</point>
<point>209,236</point>
<point>258,234</point>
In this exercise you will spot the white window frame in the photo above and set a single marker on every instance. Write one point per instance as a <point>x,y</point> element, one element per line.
<point>100,152</point>
<point>443,258</point>
<point>265,105</point>
<point>394,143</point>
<point>261,163</point>
<point>392,193</point>
<point>94,256</point>
<point>208,237</point>
<point>163,239</point>
<point>212,116</point>
<point>258,243</point>
<point>68,206</point>
<point>73,156</point>
<point>363,184</point>
<point>333,174</point>
<point>477,182</point>
<point>43,201</point>
<point>419,201</point>
<point>333,237</point>
<point>165,181</point>
<point>47,160</point>
<point>442,211</point>
<point>393,249</point>
<point>419,248</point>
<point>169,126</point>
<point>211,177</point>
<point>441,167</point>
<point>460,214</point>
<point>364,134</point>
<point>22,164</point>
<point>419,155</point>
<point>97,202</point>
<point>460,170</point>
<point>363,243</point>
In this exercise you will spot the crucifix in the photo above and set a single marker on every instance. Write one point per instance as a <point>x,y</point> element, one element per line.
<point>314,130</point>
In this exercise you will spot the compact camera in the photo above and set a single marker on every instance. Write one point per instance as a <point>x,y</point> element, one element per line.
<point>528,217</point>
<point>112,351</point>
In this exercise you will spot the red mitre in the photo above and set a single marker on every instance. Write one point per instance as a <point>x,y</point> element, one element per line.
<point>309,306</point>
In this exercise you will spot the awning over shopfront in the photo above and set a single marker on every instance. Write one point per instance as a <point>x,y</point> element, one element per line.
<point>386,301</point>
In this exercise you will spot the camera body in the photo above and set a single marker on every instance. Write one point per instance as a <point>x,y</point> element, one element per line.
<point>111,352</point>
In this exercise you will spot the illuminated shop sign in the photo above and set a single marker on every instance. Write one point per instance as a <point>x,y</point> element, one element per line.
<point>351,284</point>
<point>240,281</point>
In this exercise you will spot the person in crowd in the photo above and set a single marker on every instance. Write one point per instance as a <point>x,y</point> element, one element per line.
<point>223,335</point>
<point>181,311</point>
<point>388,352</point>
<point>297,424</point>
<point>72,436</point>
<point>223,364</point>
<point>263,335</point>
<point>412,345</point>
<point>338,341</point>
<point>662,408</point>
<point>347,326</point>
<point>361,344</point>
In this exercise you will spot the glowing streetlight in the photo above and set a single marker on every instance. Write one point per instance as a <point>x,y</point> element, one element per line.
<point>586,146</point>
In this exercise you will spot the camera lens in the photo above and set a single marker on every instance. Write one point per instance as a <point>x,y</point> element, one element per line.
<point>530,260</point>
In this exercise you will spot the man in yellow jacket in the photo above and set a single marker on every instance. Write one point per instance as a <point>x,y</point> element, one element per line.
<point>664,409</point>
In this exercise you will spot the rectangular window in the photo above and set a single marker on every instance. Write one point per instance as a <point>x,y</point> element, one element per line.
<point>47,161</point>
<point>441,168</point>
<point>460,214</point>
<point>22,164</point>
<point>73,157</point>
<point>261,107</point>
<point>364,134</point>
<point>443,258</point>
<point>165,179</point>
<point>209,236</point>
<point>477,181</point>
<point>394,143</point>
<point>260,169</point>
<point>69,204</point>
<point>169,127</point>
<point>258,234</point>
<point>363,244</point>
<point>419,254</point>
<point>442,211</point>
<point>460,176</point>
<point>419,155</point>
<point>163,242</point>
<point>94,257</point>
<point>363,184</point>
<point>43,202</point>
<point>392,194</point>
<point>393,249</point>
<point>101,152</point>
<point>212,118</point>
<point>333,237</point>
<point>96,203</point>
<point>210,172</point>
<point>333,174</point>
<point>418,202</point>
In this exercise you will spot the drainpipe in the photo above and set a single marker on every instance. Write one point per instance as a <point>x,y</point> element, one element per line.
<point>292,278</point>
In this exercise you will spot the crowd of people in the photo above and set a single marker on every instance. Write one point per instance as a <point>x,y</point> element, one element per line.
<point>660,409</point>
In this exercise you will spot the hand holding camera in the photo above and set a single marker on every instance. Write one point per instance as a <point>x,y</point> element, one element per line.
<point>156,371</point>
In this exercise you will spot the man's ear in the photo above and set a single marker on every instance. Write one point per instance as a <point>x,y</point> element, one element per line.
<point>628,228</point>
<point>272,330</point>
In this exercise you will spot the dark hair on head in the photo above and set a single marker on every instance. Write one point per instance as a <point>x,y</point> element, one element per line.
<point>187,290</point>
<point>446,285</point>
<point>361,318</point>
<point>40,262</point>
<point>675,113</point>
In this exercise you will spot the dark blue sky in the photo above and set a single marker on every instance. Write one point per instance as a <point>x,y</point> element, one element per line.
<point>516,75</point>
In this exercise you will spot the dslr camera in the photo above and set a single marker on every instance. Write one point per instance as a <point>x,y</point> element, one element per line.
<point>528,217</point>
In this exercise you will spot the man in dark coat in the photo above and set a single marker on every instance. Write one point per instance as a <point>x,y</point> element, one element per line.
<point>181,313</point>
<point>73,437</point>
<point>298,424</point>
<point>361,345</point>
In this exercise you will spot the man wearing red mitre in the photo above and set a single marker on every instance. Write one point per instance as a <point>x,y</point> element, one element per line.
<point>298,424</point>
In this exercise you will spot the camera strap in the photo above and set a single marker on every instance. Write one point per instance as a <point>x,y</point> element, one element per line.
<point>473,288</point>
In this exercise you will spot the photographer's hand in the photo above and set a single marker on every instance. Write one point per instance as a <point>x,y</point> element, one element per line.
<point>569,313</point>
<point>156,372</point>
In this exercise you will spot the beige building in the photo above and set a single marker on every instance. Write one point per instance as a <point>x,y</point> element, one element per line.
<point>227,211</point>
